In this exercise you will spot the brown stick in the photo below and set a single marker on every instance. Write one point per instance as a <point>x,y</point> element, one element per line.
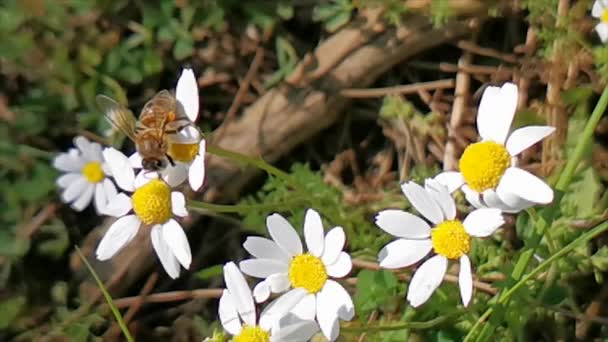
<point>402,89</point>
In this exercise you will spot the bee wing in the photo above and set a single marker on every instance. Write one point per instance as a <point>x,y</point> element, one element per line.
<point>120,117</point>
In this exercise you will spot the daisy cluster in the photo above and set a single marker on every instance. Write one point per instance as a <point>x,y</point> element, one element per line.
<point>299,292</point>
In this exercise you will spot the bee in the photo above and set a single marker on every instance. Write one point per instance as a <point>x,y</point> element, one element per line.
<point>158,119</point>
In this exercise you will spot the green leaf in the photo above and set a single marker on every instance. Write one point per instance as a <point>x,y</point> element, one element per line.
<point>210,272</point>
<point>10,310</point>
<point>183,48</point>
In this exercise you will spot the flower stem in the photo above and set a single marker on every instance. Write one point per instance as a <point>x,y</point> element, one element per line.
<point>203,207</point>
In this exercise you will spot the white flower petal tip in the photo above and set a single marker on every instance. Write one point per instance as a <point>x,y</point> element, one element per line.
<point>121,168</point>
<point>422,200</point>
<point>403,252</point>
<point>313,233</point>
<point>283,233</point>
<point>465,280</point>
<point>483,222</point>
<point>524,185</point>
<point>496,111</point>
<point>176,239</point>
<point>451,179</point>
<point>117,237</point>
<point>186,92</point>
<point>402,224</point>
<point>525,137</point>
<point>602,31</point>
<point>426,279</point>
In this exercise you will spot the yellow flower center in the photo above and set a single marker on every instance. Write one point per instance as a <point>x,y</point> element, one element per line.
<point>183,152</point>
<point>482,165</point>
<point>450,239</point>
<point>307,271</point>
<point>93,172</point>
<point>604,16</point>
<point>252,334</point>
<point>152,202</point>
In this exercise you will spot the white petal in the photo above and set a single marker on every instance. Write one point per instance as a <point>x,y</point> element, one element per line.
<point>263,248</point>
<point>423,202</point>
<point>279,282</point>
<point>118,235</point>
<point>334,243</point>
<point>426,279</point>
<point>451,179</point>
<point>333,302</point>
<point>121,168</point>
<point>313,233</point>
<point>280,307</point>
<point>341,267</point>
<point>262,268</point>
<point>465,280</point>
<point>598,9</point>
<point>118,206</point>
<point>186,92</point>
<point>68,162</point>
<point>441,195</point>
<point>283,233</point>
<point>165,255</point>
<point>472,196</point>
<point>496,112</point>
<point>66,179</point>
<point>144,177</point>
<point>492,200</point>
<point>85,198</point>
<point>178,204</point>
<point>402,224</point>
<point>188,135</point>
<point>135,160</point>
<point>109,188</point>
<point>239,289</point>
<point>525,185</point>
<point>483,222</point>
<point>294,330</point>
<point>176,239</point>
<point>402,252</point>
<point>175,175</point>
<point>74,190</point>
<point>602,31</point>
<point>525,137</point>
<point>196,173</point>
<point>261,291</point>
<point>101,200</point>
<point>306,309</point>
<point>228,314</point>
<point>82,144</point>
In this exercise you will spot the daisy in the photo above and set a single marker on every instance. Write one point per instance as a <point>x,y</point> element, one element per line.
<point>187,147</point>
<point>448,238</point>
<point>305,277</point>
<point>489,176</point>
<point>237,313</point>
<point>151,204</point>
<point>600,11</point>
<point>86,176</point>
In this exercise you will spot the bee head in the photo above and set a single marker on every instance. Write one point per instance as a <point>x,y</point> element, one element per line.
<point>153,164</point>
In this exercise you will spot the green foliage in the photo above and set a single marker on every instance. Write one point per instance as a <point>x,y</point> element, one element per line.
<point>333,14</point>
<point>375,291</point>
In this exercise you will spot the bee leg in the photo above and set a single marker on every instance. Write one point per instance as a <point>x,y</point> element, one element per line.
<point>170,160</point>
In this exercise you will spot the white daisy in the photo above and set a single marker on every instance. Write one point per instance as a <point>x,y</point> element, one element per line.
<point>600,11</point>
<point>187,148</point>
<point>237,313</point>
<point>306,277</point>
<point>152,204</point>
<point>86,176</point>
<point>488,174</point>
<point>449,238</point>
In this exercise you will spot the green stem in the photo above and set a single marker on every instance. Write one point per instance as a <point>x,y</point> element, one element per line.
<point>204,207</point>
<point>108,297</point>
<point>257,162</point>
<point>401,326</point>
<point>504,298</point>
